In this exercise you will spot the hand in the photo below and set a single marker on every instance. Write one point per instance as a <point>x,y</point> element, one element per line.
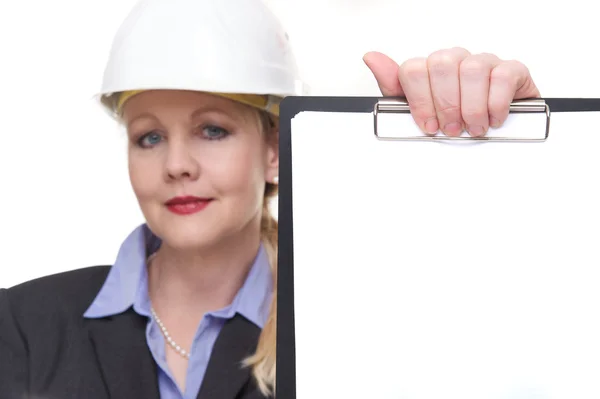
<point>452,90</point>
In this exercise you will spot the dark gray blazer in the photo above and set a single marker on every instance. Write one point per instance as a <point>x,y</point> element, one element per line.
<point>48,350</point>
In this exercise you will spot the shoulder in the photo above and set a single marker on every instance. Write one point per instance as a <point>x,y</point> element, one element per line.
<point>68,292</point>
<point>40,318</point>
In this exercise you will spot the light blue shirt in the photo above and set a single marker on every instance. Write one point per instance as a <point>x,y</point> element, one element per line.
<point>127,285</point>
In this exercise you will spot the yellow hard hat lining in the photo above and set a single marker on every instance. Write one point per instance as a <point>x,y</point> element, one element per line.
<point>264,102</point>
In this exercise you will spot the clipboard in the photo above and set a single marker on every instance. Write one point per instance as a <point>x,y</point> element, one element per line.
<point>415,267</point>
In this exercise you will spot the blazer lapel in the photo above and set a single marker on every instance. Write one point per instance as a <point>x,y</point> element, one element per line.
<point>126,363</point>
<point>225,375</point>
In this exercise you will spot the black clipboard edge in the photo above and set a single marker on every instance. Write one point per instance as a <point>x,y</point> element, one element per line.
<point>292,105</point>
<point>289,107</point>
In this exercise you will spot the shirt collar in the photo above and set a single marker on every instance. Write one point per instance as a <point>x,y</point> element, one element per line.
<point>126,283</point>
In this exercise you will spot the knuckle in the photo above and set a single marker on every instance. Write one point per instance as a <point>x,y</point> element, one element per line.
<point>502,75</point>
<point>474,67</point>
<point>490,57</point>
<point>509,72</point>
<point>460,50</point>
<point>441,63</point>
<point>414,68</point>
<point>517,65</point>
<point>443,60</point>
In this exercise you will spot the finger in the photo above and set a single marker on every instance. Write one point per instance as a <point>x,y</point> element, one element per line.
<point>414,79</point>
<point>385,71</point>
<point>509,81</point>
<point>475,72</point>
<point>443,68</point>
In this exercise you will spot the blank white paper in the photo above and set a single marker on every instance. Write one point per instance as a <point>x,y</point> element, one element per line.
<point>443,270</point>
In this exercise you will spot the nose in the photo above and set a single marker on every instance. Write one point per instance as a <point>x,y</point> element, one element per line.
<point>180,162</point>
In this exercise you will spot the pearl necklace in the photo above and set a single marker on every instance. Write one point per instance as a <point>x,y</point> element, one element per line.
<point>172,343</point>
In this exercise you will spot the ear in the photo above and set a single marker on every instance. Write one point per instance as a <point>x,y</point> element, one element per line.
<point>272,155</point>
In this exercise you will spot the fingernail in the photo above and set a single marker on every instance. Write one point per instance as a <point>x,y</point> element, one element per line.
<point>453,128</point>
<point>431,126</point>
<point>494,122</point>
<point>475,130</point>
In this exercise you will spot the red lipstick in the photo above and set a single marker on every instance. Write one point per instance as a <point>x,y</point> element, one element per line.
<point>187,205</point>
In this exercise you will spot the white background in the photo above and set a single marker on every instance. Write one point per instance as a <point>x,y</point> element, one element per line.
<point>66,202</point>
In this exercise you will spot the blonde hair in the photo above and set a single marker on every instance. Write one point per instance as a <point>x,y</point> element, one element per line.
<point>263,361</point>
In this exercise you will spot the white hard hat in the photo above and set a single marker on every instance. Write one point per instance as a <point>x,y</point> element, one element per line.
<point>217,46</point>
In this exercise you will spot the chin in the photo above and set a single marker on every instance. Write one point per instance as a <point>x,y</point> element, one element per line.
<point>199,231</point>
<point>188,237</point>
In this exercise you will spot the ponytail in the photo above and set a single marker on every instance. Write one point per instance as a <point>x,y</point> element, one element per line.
<point>263,361</point>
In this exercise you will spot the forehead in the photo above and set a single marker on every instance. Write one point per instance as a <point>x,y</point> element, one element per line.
<point>165,102</point>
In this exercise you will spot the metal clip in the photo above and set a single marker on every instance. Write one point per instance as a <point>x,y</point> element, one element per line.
<point>518,106</point>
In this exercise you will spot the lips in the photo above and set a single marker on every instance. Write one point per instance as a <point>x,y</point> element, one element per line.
<point>187,205</point>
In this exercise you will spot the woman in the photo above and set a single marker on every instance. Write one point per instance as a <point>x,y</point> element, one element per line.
<point>188,308</point>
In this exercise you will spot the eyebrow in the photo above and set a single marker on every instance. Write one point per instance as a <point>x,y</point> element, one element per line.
<point>140,116</point>
<point>195,114</point>
<point>210,108</point>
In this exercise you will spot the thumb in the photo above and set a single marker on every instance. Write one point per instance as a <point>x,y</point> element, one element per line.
<point>386,72</point>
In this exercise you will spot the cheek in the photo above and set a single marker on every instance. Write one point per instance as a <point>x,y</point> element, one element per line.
<point>240,174</point>
<point>142,175</point>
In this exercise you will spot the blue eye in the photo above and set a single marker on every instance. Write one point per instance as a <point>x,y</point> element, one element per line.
<point>214,132</point>
<point>149,140</point>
